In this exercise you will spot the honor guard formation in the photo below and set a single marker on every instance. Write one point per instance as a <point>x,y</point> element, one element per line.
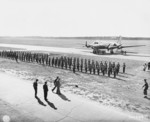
<point>68,63</point>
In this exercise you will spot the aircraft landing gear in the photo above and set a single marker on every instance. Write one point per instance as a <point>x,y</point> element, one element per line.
<point>123,52</point>
<point>99,52</point>
<point>112,52</point>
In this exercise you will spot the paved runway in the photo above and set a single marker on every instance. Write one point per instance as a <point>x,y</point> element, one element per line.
<point>69,108</point>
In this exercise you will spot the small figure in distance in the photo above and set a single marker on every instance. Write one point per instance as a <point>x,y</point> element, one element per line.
<point>55,83</point>
<point>145,88</point>
<point>124,67</point>
<point>148,65</point>
<point>35,85</point>
<point>45,88</point>
<point>144,67</point>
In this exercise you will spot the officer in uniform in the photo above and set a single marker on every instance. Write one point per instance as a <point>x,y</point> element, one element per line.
<point>97,67</point>
<point>105,67</point>
<point>52,61</point>
<point>109,71</point>
<point>49,61</point>
<point>78,64</point>
<point>45,89</point>
<point>115,72</point>
<point>103,70</point>
<point>93,68</point>
<point>90,68</point>
<point>35,86</point>
<point>81,65</point>
<point>148,65</point>
<point>118,68</point>
<point>101,65</point>
<point>74,68</point>
<point>124,66</point>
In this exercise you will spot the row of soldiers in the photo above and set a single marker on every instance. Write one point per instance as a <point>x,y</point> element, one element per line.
<point>72,63</point>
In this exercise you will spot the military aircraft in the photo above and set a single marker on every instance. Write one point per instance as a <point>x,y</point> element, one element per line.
<point>103,47</point>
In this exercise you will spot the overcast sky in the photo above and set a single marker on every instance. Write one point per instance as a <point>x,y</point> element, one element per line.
<point>75,18</point>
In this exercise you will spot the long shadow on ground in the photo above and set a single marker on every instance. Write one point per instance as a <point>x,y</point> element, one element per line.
<point>51,104</point>
<point>62,96</point>
<point>39,101</point>
<point>147,98</point>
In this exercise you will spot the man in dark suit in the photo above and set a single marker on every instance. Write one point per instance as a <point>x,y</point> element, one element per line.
<point>58,87</point>
<point>35,85</point>
<point>55,83</point>
<point>45,88</point>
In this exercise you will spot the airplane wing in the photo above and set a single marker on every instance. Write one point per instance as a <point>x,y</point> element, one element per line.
<point>130,46</point>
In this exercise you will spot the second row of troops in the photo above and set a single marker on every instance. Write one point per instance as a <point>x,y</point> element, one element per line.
<point>72,63</point>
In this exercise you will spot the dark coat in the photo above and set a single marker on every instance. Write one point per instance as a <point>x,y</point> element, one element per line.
<point>45,88</point>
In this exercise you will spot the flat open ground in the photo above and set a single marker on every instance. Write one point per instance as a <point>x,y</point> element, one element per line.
<point>123,93</point>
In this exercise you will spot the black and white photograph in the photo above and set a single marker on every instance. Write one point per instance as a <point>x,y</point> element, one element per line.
<point>74,60</point>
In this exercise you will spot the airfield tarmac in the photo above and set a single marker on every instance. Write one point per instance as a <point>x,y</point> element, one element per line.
<point>124,92</point>
<point>87,52</point>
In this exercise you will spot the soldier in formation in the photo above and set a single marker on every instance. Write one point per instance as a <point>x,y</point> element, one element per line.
<point>72,63</point>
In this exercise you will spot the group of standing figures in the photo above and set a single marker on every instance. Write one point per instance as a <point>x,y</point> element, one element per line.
<point>71,63</point>
<point>45,87</point>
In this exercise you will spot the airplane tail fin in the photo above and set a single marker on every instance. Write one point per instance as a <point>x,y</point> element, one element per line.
<point>119,40</point>
<point>86,45</point>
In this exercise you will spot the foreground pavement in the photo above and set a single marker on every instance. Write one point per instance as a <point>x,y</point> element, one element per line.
<point>18,97</point>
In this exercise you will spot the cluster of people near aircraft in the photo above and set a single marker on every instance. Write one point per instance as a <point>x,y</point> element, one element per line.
<point>71,63</point>
<point>146,66</point>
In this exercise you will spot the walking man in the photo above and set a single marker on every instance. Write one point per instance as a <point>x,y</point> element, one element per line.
<point>55,83</point>
<point>145,88</point>
<point>145,66</point>
<point>58,87</point>
<point>45,88</point>
<point>35,85</point>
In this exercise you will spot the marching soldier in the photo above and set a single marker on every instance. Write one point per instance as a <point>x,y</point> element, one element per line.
<point>70,62</point>
<point>109,71</point>
<point>93,68</point>
<point>81,65</point>
<point>53,61</point>
<point>89,64</point>
<point>56,59</point>
<point>74,68</point>
<point>49,61</point>
<point>90,68</point>
<point>101,65</point>
<point>124,66</point>
<point>62,62</point>
<point>113,66</point>
<point>97,67</point>
<point>118,67</point>
<point>115,72</point>
<point>78,64</point>
<point>105,67</point>
<point>148,65</point>
<point>85,65</point>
